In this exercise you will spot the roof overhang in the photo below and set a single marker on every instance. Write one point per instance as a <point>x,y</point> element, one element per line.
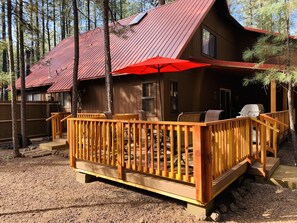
<point>246,67</point>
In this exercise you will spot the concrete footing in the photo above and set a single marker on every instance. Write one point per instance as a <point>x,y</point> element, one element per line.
<point>200,211</point>
<point>84,178</point>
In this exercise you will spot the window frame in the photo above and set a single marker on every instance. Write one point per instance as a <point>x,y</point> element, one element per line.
<point>211,34</point>
<point>173,96</point>
<point>147,98</point>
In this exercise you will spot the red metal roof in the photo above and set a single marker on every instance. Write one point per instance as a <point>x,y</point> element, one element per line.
<point>164,31</point>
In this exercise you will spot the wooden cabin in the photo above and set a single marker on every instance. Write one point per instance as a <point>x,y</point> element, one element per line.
<point>201,31</point>
<point>190,161</point>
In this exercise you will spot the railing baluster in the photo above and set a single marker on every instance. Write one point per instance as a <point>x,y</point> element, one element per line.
<point>164,151</point>
<point>130,134</point>
<point>171,152</point>
<point>179,154</point>
<point>145,148</point>
<point>152,169</point>
<point>140,147</point>
<point>134,146</point>
<point>186,139</point>
<point>158,150</point>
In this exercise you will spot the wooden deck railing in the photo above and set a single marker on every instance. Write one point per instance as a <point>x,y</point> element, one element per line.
<point>230,142</point>
<point>57,127</point>
<point>192,153</point>
<point>279,119</point>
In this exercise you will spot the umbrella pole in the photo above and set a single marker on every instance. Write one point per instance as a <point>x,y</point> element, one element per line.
<point>160,94</point>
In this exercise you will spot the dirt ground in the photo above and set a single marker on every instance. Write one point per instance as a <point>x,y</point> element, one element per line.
<point>45,190</point>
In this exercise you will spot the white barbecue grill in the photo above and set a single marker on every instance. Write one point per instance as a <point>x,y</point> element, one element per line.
<point>251,110</point>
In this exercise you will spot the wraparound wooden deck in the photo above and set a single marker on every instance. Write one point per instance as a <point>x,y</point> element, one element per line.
<point>189,161</point>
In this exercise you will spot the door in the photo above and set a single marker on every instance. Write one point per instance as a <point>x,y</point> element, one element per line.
<point>225,101</point>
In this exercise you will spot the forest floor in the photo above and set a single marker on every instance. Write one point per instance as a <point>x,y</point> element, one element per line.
<point>44,189</point>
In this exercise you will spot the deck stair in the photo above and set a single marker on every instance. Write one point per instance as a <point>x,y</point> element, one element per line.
<point>57,144</point>
<point>272,164</point>
<point>285,176</point>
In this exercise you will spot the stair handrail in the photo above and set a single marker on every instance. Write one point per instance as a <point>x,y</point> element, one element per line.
<point>53,116</point>
<point>68,116</point>
<point>274,120</point>
<point>263,148</point>
<point>263,123</point>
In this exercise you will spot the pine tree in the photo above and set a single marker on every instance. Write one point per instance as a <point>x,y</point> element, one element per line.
<point>22,75</point>
<point>277,47</point>
<point>76,60</point>
<point>16,151</point>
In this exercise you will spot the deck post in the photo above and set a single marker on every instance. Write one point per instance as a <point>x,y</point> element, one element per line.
<point>263,146</point>
<point>273,96</point>
<point>71,140</point>
<point>120,150</point>
<point>60,125</point>
<point>53,129</point>
<point>274,139</point>
<point>202,163</point>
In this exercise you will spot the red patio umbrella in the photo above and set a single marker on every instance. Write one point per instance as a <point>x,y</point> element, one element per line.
<point>159,65</point>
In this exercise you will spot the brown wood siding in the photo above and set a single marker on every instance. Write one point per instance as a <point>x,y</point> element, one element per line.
<point>127,94</point>
<point>231,40</point>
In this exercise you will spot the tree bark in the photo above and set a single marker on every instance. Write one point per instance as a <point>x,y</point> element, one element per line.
<point>88,15</point>
<point>37,50</point>
<point>43,27</point>
<point>108,77</point>
<point>95,15</point>
<point>63,23</point>
<point>161,2</point>
<point>16,151</point>
<point>23,76</point>
<point>32,54</point>
<point>17,48</point>
<point>290,85</point>
<point>47,26</point>
<point>76,60</point>
<point>54,23</point>
<point>4,95</point>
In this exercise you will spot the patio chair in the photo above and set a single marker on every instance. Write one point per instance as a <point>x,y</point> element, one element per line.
<point>214,115</point>
<point>191,116</point>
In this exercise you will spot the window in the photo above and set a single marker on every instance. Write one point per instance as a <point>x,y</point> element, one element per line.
<point>36,97</point>
<point>29,97</point>
<point>208,43</point>
<point>65,100</point>
<point>173,97</point>
<point>148,97</point>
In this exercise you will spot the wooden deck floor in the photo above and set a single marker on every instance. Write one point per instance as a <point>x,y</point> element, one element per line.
<point>175,189</point>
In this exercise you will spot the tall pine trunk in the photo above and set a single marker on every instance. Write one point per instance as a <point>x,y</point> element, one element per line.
<point>43,27</point>
<point>88,15</point>
<point>76,60</point>
<point>16,151</point>
<point>37,44</point>
<point>290,85</point>
<point>54,23</point>
<point>47,26</point>
<point>32,55</point>
<point>108,77</point>
<point>63,21</point>
<point>17,47</point>
<point>4,95</point>
<point>23,76</point>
